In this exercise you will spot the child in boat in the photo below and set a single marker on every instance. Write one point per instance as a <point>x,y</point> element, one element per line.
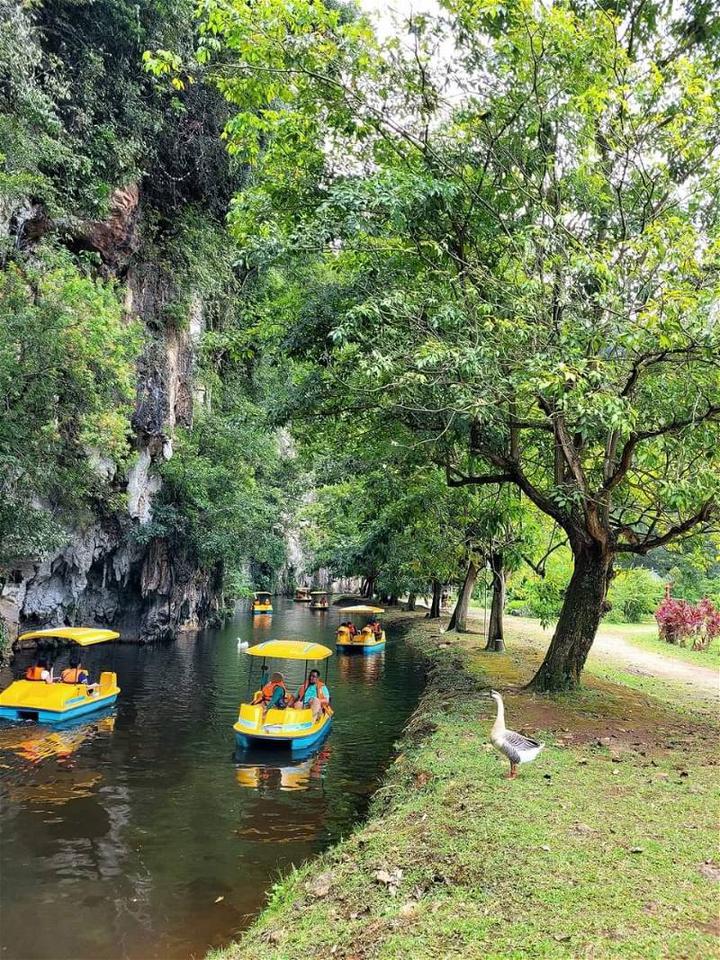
<point>375,626</point>
<point>314,694</point>
<point>40,671</point>
<point>74,673</point>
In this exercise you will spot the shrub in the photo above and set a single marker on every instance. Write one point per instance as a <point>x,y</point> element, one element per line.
<point>680,620</point>
<point>634,594</point>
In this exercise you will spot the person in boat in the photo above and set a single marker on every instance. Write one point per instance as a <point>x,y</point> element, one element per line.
<point>352,628</point>
<point>274,694</point>
<point>40,671</point>
<point>314,694</point>
<point>375,626</point>
<point>74,672</point>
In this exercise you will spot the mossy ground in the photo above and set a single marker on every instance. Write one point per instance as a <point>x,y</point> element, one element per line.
<point>605,847</point>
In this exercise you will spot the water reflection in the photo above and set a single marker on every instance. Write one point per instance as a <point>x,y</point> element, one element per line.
<point>34,742</point>
<point>368,666</point>
<point>295,774</point>
<point>123,831</point>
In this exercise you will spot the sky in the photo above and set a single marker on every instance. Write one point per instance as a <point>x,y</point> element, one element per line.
<point>384,13</point>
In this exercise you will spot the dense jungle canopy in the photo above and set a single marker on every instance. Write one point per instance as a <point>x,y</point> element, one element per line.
<point>469,270</point>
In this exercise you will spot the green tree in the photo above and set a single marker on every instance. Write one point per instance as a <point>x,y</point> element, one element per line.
<point>529,261</point>
<point>67,378</point>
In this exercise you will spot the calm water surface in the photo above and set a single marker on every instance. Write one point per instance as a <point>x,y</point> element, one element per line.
<point>120,834</point>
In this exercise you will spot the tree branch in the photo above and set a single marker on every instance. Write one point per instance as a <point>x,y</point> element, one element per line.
<point>651,543</point>
<point>638,436</point>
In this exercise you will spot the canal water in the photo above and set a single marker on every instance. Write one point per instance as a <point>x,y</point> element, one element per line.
<point>141,834</point>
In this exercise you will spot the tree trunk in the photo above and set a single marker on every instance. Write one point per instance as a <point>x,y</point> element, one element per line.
<point>582,608</point>
<point>369,588</point>
<point>411,601</point>
<point>458,620</point>
<point>434,612</point>
<point>496,637</point>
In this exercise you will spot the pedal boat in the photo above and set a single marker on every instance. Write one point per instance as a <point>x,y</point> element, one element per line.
<point>58,702</point>
<point>319,600</point>
<point>366,641</point>
<point>262,602</point>
<point>292,727</point>
<point>302,595</point>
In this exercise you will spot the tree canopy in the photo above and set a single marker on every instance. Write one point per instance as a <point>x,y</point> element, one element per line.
<point>515,209</point>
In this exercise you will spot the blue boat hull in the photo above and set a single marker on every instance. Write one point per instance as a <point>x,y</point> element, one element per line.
<point>247,742</point>
<point>360,647</point>
<point>55,716</point>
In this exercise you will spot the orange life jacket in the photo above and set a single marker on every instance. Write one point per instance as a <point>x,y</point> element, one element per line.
<point>34,673</point>
<point>72,674</point>
<point>265,695</point>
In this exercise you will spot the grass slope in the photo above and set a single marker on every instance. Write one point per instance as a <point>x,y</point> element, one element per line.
<point>602,848</point>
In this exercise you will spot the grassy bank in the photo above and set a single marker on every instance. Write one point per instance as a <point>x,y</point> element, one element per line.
<point>602,848</point>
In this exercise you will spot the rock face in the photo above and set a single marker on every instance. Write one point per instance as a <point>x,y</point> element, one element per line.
<point>114,572</point>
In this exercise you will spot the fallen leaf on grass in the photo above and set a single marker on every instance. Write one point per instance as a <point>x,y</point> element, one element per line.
<point>562,937</point>
<point>218,899</point>
<point>319,886</point>
<point>391,879</point>
<point>637,849</point>
<point>408,909</point>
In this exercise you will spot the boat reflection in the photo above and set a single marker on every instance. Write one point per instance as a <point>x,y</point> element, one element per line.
<point>33,744</point>
<point>72,786</point>
<point>368,667</point>
<point>272,770</point>
<point>262,621</point>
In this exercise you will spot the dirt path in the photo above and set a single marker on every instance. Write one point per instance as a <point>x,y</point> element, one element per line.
<point>704,680</point>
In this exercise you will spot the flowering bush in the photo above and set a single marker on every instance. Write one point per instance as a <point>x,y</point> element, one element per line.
<point>680,620</point>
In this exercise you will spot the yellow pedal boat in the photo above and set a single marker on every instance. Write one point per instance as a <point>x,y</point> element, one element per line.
<point>319,600</point>
<point>291,727</point>
<point>366,641</point>
<point>57,702</point>
<point>262,602</point>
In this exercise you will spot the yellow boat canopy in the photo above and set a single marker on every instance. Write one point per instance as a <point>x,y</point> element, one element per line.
<point>261,593</point>
<point>290,650</point>
<point>318,593</point>
<point>83,636</point>
<point>362,608</point>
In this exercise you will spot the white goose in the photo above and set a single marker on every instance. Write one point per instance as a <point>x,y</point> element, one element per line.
<point>516,747</point>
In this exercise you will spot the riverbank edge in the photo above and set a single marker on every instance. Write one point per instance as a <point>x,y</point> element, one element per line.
<point>407,878</point>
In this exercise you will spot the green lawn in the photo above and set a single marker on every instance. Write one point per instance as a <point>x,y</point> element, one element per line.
<point>603,848</point>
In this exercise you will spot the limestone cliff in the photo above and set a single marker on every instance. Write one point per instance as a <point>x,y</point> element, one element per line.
<point>108,571</point>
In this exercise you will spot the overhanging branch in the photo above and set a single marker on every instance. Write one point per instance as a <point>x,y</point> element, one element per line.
<point>704,514</point>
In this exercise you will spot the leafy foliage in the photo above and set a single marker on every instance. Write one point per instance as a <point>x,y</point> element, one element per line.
<point>515,212</point>
<point>67,382</point>
<point>679,620</point>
